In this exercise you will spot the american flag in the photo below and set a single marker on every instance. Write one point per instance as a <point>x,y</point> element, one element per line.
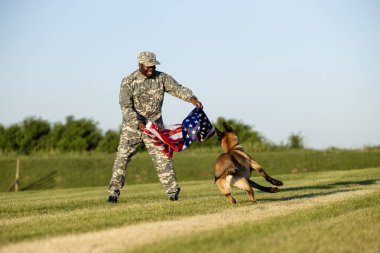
<point>195,127</point>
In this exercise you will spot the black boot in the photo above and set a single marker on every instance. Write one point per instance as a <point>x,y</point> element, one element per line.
<point>175,196</point>
<point>112,199</point>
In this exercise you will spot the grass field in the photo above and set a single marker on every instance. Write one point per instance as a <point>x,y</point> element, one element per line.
<point>41,172</point>
<point>335,211</point>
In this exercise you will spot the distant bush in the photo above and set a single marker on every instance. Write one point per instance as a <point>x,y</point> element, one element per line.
<point>109,142</point>
<point>82,135</point>
<point>76,135</point>
<point>295,141</point>
<point>35,135</point>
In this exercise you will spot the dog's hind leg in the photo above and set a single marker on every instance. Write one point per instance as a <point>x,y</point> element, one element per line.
<point>257,167</point>
<point>262,188</point>
<point>225,189</point>
<point>242,183</point>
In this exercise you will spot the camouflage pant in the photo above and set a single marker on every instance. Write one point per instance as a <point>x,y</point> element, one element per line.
<point>130,140</point>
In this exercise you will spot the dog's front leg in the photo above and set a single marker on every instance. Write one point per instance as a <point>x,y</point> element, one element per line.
<point>257,167</point>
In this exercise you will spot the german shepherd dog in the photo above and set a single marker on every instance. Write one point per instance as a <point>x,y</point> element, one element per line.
<point>234,167</point>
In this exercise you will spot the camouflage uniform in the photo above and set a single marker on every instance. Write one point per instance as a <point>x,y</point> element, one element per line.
<point>141,100</point>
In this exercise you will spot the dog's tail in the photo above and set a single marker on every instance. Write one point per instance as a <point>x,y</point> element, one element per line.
<point>262,188</point>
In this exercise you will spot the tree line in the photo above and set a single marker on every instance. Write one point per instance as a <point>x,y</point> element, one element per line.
<point>83,135</point>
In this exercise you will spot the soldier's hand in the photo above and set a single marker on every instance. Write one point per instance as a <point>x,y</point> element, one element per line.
<point>141,126</point>
<point>196,103</point>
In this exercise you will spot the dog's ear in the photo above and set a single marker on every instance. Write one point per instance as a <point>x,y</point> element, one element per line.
<point>227,127</point>
<point>218,133</point>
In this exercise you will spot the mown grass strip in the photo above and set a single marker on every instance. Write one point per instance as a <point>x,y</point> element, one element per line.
<point>130,237</point>
<point>43,214</point>
<point>345,226</point>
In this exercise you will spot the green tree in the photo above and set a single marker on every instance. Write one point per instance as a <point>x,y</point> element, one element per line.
<point>54,136</point>
<point>76,135</point>
<point>24,137</point>
<point>243,131</point>
<point>3,140</point>
<point>249,137</point>
<point>295,141</point>
<point>109,142</point>
<point>33,132</point>
<point>13,137</point>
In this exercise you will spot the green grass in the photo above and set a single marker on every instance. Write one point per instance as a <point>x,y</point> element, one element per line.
<point>350,225</point>
<point>39,172</point>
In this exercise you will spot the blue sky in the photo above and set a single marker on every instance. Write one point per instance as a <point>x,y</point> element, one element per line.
<point>280,66</point>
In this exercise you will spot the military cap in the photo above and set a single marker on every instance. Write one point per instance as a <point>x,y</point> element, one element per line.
<point>148,59</point>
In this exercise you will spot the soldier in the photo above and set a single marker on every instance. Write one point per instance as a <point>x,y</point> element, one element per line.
<point>141,97</point>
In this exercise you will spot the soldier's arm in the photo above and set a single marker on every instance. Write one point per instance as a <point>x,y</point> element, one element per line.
<point>175,89</point>
<point>126,104</point>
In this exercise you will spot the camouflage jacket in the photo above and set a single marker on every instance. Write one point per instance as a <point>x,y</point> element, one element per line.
<point>141,97</point>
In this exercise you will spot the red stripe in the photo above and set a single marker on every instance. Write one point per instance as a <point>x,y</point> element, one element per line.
<point>162,139</point>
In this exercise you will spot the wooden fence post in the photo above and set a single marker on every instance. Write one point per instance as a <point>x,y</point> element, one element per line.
<point>17,174</point>
<point>15,183</point>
